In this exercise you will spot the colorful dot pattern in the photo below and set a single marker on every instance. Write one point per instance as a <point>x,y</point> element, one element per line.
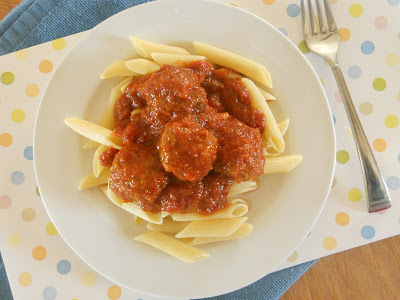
<point>36,252</point>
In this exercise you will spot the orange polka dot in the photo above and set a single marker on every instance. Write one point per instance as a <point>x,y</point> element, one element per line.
<point>114,292</point>
<point>45,66</point>
<point>6,139</point>
<point>39,253</point>
<point>342,218</point>
<point>379,145</point>
<point>329,243</point>
<point>344,34</point>
<point>32,90</point>
<point>293,257</point>
<point>268,1</point>
<point>28,214</point>
<point>25,279</point>
<point>333,182</point>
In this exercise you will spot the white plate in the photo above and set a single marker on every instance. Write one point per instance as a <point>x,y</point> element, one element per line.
<point>284,208</point>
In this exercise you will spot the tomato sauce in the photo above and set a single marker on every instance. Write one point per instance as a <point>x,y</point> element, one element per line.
<point>196,134</point>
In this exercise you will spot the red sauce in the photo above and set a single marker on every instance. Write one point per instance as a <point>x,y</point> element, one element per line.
<point>195,136</point>
<point>107,157</point>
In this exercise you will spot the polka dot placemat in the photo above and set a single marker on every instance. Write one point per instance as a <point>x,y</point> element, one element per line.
<point>39,263</point>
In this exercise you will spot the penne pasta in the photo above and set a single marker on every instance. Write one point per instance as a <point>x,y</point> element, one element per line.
<point>97,166</point>
<point>168,226</point>
<point>107,121</point>
<point>145,48</point>
<point>211,228</point>
<point>142,66</point>
<point>239,63</point>
<point>137,221</point>
<point>172,246</point>
<point>237,208</point>
<point>243,187</point>
<point>283,126</point>
<point>175,59</point>
<point>92,181</point>
<point>94,132</point>
<point>281,164</point>
<point>267,96</point>
<point>244,230</point>
<point>117,69</point>
<point>134,208</point>
<point>272,137</point>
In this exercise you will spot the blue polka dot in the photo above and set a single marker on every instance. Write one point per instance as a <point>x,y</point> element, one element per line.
<point>283,31</point>
<point>28,153</point>
<point>293,10</point>
<point>393,182</point>
<point>393,2</point>
<point>63,267</point>
<point>17,177</point>
<point>398,158</point>
<point>354,72</point>
<point>334,119</point>
<point>49,293</point>
<point>368,232</point>
<point>367,47</point>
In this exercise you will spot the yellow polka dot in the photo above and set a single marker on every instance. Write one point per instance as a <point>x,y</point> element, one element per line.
<point>88,279</point>
<point>342,156</point>
<point>366,108</point>
<point>7,78</point>
<point>398,96</point>
<point>6,139</point>
<point>349,133</point>
<point>392,60</point>
<point>268,1</point>
<point>303,47</point>
<point>329,243</point>
<point>58,44</point>
<point>379,84</point>
<point>354,195</point>
<point>379,145</point>
<point>37,191</point>
<point>332,1</point>
<point>28,214</point>
<point>114,292</point>
<point>45,66</point>
<point>391,121</point>
<point>333,182</point>
<point>21,54</point>
<point>25,279</point>
<point>50,229</point>
<point>18,115</point>
<point>14,240</point>
<point>233,4</point>
<point>325,62</point>
<point>356,10</point>
<point>322,81</point>
<point>32,90</point>
<point>293,257</point>
<point>342,218</point>
<point>344,34</point>
<point>39,253</point>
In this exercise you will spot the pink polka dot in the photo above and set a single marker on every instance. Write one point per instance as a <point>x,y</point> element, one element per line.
<point>5,202</point>
<point>381,22</point>
<point>338,97</point>
<point>382,212</point>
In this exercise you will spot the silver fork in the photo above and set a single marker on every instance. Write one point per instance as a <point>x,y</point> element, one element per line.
<point>322,38</point>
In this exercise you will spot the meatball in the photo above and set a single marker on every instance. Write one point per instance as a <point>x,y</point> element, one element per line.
<point>202,196</point>
<point>240,154</point>
<point>137,174</point>
<point>187,150</point>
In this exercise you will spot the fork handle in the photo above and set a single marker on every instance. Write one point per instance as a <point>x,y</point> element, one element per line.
<point>376,190</point>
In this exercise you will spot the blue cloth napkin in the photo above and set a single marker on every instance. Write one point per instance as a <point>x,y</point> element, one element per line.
<point>37,21</point>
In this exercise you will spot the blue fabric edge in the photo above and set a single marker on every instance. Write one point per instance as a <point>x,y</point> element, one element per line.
<point>5,289</point>
<point>26,17</point>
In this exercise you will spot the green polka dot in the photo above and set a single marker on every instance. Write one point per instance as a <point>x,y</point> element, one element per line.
<point>342,156</point>
<point>303,47</point>
<point>391,121</point>
<point>379,84</point>
<point>7,78</point>
<point>37,191</point>
<point>322,81</point>
<point>354,195</point>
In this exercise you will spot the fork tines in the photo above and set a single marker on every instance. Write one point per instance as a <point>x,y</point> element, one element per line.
<point>317,18</point>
